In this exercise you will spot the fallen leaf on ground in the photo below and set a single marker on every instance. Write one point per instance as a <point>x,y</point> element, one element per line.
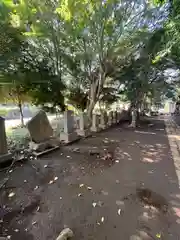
<point>55,178</point>
<point>94,204</point>
<point>98,223</point>
<point>16,230</point>
<point>117,161</point>
<point>9,237</point>
<point>60,198</point>
<point>81,185</point>
<point>119,212</point>
<point>158,235</point>
<point>51,182</point>
<point>38,208</point>
<point>89,188</point>
<point>36,188</point>
<point>25,181</point>
<point>104,192</point>
<point>76,149</point>
<point>80,194</point>
<point>10,171</point>
<point>45,166</point>
<point>102,219</point>
<point>119,202</point>
<point>33,223</point>
<point>68,156</point>
<point>177,211</point>
<point>12,194</point>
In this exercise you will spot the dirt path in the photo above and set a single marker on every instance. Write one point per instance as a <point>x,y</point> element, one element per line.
<point>98,193</point>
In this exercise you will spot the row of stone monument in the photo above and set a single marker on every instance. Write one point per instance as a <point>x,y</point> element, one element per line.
<point>42,135</point>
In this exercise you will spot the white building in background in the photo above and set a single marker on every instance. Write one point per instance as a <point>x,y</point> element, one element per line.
<point>170,106</point>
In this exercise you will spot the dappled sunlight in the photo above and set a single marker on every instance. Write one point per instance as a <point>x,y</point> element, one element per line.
<point>149,160</point>
<point>177,137</point>
<point>120,154</point>
<point>177,212</point>
<point>143,132</point>
<point>161,145</point>
<point>152,153</point>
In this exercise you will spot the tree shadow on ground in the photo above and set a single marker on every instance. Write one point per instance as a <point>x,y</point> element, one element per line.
<point>96,195</point>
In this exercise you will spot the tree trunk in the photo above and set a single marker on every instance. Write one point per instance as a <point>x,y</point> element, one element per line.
<point>90,108</point>
<point>21,114</point>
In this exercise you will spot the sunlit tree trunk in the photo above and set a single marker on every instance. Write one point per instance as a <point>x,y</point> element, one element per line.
<point>20,107</point>
<point>21,114</point>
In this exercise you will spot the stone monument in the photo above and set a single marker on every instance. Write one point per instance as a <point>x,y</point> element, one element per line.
<point>110,119</point>
<point>83,130</point>
<point>103,120</point>
<point>41,133</point>
<point>69,134</point>
<point>114,117</point>
<point>95,123</point>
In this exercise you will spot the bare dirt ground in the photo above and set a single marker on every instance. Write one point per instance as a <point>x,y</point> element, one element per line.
<point>118,184</point>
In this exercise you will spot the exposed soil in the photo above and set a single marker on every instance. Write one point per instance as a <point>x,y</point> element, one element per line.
<point>118,184</point>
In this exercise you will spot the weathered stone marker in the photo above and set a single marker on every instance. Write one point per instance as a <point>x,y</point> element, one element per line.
<point>95,123</point>
<point>118,117</point>
<point>39,127</point>
<point>69,134</point>
<point>83,130</point>
<point>110,118</point>
<point>115,117</point>
<point>103,120</point>
<point>4,155</point>
<point>41,133</point>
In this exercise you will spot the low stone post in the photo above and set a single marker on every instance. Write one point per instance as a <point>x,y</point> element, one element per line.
<point>83,130</point>
<point>69,134</point>
<point>95,123</point>
<point>103,120</point>
<point>115,117</point>
<point>4,154</point>
<point>110,119</point>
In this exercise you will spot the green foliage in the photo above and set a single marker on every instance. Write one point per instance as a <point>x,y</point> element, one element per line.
<point>70,48</point>
<point>10,39</point>
<point>77,98</point>
<point>108,96</point>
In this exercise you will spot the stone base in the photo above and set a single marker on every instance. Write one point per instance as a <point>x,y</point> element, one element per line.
<point>5,157</point>
<point>84,133</point>
<point>110,124</point>
<point>95,129</point>
<point>103,126</point>
<point>49,144</point>
<point>69,137</point>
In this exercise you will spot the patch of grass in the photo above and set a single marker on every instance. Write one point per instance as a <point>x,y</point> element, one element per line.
<point>18,137</point>
<point>3,112</point>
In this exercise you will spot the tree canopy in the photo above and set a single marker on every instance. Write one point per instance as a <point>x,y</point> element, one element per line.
<point>84,52</point>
